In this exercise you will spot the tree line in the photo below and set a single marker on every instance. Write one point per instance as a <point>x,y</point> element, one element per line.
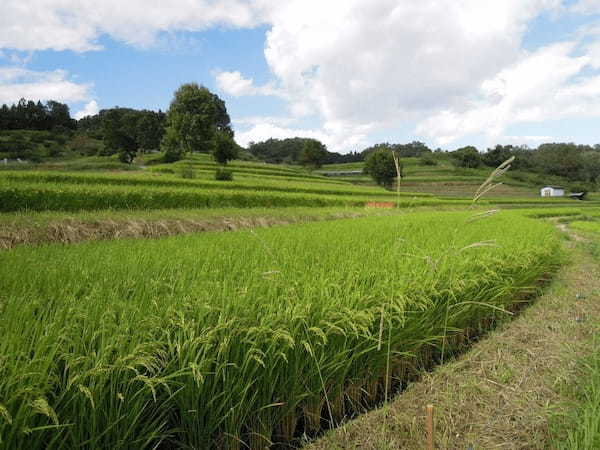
<point>197,121</point>
<point>30,115</point>
<point>298,150</point>
<point>577,164</point>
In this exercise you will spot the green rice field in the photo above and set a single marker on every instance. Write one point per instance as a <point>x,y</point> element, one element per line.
<point>265,335</point>
<point>242,336</point>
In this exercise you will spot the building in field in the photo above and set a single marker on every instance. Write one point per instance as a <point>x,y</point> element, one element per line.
<point>552,191</point>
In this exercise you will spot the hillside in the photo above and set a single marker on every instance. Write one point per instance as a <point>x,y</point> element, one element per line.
<point>446,180</point>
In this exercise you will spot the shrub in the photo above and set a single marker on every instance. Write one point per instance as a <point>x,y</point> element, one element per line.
<point>468,157</point>
<point>428,160</point>
<point>581,187</point>
<point>223,175</point>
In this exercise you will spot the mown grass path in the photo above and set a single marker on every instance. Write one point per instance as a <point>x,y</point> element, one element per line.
<point>510,390</point>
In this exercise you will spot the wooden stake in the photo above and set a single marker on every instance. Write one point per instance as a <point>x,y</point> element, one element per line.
<point>429,427</point>
<point>398,177</point>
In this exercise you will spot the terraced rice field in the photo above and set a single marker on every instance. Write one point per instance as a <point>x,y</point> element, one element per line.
<point>46,191</point>
<point>243,339</point>
<point>210,340</point>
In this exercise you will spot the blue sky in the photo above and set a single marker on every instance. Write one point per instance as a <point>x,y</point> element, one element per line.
<point>348,72</point>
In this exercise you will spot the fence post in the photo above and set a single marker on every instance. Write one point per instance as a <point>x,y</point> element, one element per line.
<point>429,427</point>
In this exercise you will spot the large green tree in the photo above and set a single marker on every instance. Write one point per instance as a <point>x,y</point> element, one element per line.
<point>194,116</point>
<point>313,154</point>
<point>380,165</point>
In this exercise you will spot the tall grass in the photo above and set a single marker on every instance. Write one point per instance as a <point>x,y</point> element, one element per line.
<point>209,340</point>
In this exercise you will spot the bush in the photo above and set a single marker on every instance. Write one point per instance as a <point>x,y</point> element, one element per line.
<point>581,187</point>
<point>428,160</point>
<point>467,157</point>
<point>54,150</point>
<point>223,175</point>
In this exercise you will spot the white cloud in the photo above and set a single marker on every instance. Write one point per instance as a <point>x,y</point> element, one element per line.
<point>454,67</point>
<point>234,84</point>
<point>527,140</point>
<point>544,85</point>
<point>90,109</point>
<point>381,64</point>
<point>17,83</point>
<point>336,139</point>
<point>257,120</point>
<point>587,6</point>
<point>77,24</point>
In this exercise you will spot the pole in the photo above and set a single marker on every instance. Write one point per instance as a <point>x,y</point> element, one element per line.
<point>429,427</point>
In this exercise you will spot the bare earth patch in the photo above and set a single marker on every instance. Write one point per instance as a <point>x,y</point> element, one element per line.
<point>504,392</point>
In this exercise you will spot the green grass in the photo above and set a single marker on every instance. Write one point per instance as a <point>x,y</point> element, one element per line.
<point>585,431</point>
<point>197,341</point>
<point>589,226</point>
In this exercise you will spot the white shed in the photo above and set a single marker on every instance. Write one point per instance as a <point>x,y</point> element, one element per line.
<point>552,191</point>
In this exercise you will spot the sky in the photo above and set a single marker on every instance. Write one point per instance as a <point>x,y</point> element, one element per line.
<point>350,73</point>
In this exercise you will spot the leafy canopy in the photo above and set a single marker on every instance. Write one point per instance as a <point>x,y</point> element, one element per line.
<point>380,165</point>
<point>194,116</point>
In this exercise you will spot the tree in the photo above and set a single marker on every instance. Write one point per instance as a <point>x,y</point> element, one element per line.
<point>380,166</point>
<point>414,149</point>
<point>560,159</point>
<point>30,115</point>
<point>497,155</point>
<point>149,130</point>
<point>224,147</point>
<point>119,135</point>
<point>466,157</point>
<point>590,170</point>
<point>194,116</point>
<point>313,153</point>
<point>171,146</point>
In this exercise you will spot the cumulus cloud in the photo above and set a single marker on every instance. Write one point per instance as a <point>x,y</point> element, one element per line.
<point>234,84</point>
<point>524,140</point>
<point>257,120</point>
<point>378,65</point>
<point>335,138</point>
<point>90,109</point>
<point>453,67</point>
<point>542,85</point>
<point>17,83</point>
<point>77,24</point>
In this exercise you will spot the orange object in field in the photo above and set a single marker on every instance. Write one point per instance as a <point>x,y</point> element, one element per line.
<point>380,205</point>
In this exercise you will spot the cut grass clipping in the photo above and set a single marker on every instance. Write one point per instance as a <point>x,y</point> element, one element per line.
<point>246,338</point>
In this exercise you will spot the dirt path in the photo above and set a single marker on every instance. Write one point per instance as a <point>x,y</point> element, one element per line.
<point>505,390</point>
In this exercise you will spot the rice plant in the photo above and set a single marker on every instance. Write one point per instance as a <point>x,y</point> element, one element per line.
<point>226,340</point>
